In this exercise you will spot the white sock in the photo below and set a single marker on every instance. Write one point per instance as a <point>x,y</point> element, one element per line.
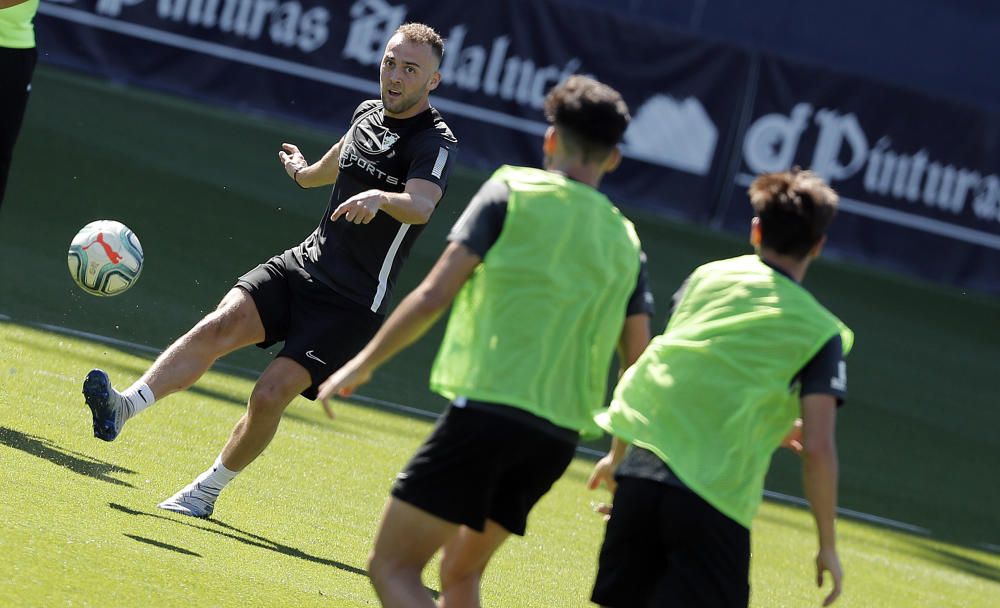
<point>139,397</point>
<point>217,476</point>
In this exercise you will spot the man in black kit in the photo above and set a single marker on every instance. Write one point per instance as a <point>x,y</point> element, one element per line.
<point>326,297</point>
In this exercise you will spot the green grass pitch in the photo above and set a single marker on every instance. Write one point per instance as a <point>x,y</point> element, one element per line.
<point>202,189</point>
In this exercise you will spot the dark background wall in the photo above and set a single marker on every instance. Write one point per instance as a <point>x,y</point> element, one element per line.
<point>944,48</point>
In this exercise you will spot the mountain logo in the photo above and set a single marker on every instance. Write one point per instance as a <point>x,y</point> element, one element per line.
<point>672,133</point>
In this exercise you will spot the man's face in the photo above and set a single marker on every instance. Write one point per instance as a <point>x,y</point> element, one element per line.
<point>408,74</point>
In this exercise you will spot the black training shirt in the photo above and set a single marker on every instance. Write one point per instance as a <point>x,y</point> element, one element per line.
<point>362,261</point>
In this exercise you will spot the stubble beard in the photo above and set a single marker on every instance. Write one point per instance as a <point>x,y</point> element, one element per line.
<point>401,104</point>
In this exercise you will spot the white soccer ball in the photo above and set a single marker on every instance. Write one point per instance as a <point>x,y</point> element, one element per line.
<point>105,258</point>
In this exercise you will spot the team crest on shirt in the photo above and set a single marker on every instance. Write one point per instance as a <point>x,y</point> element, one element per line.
<point>373,138</point>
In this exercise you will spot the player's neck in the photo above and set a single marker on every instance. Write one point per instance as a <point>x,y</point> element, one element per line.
<point>418,108</point>
<point>793,266</point>
<point>585,173</point>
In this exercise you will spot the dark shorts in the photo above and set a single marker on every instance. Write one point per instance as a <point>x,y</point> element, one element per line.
<point>665,546</point>
<point>321,329</point>
<point>478,465</point>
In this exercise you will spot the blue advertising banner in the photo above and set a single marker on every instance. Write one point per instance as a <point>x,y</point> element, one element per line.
<point>315,61</point>
<point>918,177</point>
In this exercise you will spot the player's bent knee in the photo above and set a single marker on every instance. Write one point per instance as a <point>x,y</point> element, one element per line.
<point>454,573</point>
<point>268,400</point>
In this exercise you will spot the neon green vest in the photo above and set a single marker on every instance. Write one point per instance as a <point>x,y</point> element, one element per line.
<point>710,396</point>
<point>16,29</point>
<point>536,325</point>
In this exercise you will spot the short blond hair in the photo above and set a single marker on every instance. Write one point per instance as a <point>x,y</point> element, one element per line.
<point>421,33</point>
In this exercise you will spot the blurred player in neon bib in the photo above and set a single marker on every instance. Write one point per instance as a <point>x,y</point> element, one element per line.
<point>746,351</point>
<point>546,278</point>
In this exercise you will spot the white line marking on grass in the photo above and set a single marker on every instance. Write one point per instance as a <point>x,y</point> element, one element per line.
<point>46,373</point>
<point>776,496</point>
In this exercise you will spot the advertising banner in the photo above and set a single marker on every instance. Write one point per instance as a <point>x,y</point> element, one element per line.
<point>315,61</point>
<point>918,177</point>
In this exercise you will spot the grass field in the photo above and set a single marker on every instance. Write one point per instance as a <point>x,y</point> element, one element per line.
<point>202,189</point>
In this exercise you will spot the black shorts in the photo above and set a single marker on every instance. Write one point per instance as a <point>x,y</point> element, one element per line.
<point>322,330</point>
<point>479,465</point>
<point>665,546</point>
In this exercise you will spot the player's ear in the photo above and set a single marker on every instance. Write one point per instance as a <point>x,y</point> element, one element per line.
<point>755,237</point>
<point>434,81</point>
<point>549,141</point>
<point>818,247</point>
<point>613,160</point>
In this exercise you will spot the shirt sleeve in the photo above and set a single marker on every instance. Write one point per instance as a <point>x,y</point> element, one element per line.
<point>826,372</point>
<point>363,107</point>
<point>641,301</point>
<point>433,156</point>
<point>480,224</point>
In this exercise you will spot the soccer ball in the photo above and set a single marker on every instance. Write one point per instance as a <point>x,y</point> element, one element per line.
<point>105,258</point>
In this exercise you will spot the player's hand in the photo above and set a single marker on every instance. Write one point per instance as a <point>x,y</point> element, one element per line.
<point>360,208</point>
<point>342,382</point>
<point>604,472</point>
<point>793,440</point>
<point>291,159</point>
<point>827,561</point>
<point>604,508</point>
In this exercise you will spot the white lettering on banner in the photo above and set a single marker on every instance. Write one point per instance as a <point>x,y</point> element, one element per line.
<point>113,8</point>
<point>372,22</point>
<point>842,151</point>
<point>472,68</point>
<point>287,23</point>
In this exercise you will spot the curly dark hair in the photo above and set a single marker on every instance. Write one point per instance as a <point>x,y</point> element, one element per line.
<point>794,208</point>
<point>591,116</point>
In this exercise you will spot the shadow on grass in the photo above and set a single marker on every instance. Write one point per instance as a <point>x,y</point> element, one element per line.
<point>74,461</point>
<point>254,540</point>
<point>957,561</point>
<point>157,543</point>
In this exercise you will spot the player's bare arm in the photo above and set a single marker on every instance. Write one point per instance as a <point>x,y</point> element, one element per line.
<point>819,475</point>
<point>413,205</point>
<point>322,173</point>
<point>414,316</point>
<point>634,338</point>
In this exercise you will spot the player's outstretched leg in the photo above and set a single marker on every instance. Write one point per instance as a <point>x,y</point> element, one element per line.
<point>235,323</point>
<point>277,386</point>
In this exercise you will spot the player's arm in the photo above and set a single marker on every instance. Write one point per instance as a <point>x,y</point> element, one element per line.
<point>819,477</point>
<point>413,205</point>
<point>633,340</point>
<point>322,173</point>
<point>412,318</point>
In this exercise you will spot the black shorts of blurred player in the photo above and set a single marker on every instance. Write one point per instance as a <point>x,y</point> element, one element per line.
<point>671,549</point>
<point>486,462</point>
<point>321,329</point>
